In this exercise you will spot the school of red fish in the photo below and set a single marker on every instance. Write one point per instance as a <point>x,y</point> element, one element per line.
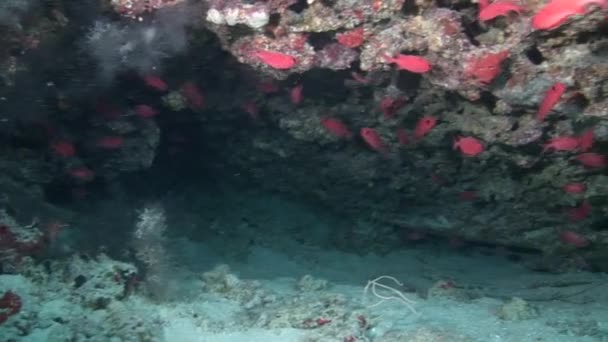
<point>483,69</point>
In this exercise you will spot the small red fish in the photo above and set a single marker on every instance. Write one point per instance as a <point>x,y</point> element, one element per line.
<point>79,193</point>
<point>352,39</point>
<point>389,106</point>
<point>468,146</point>
<point>484,69</point>
<point>574,188</point>
<point>296,94</point>
<point>424,126</point>
<point>410,63</point>
<point>276,60</point>
<point>193,94</point>
<point>585,140</point>
<point>592,160</point>
<point>469,195</point>
<point>53,229</point>
<point>82,173</point>
<point>498,8</point>
<point>251,108</point>
<point>556,12</point>
<point>322,321</point>
<point>402,136</point>
<point>562,144</point>
<point>551,98</point>
<point>359,78</point>
<point>267,87</point>
<point>581,212</point>
<point>336,127</point>
<point>110,142</point>
<point>145,111</point>
<point>156,83</point>
<point>373,140</point>
<point>64,149</point>
<point>438,179</point>
<point>108,112</point>
<point>456,242</point>
<point>574,239</point>
<point>414,235</point>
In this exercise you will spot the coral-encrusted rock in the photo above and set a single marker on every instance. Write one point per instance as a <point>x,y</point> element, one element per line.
<point>335,56</point>
<point>253,15</point>
<point>135,8</point>
<point>599,109</point>
<point>105,279</point>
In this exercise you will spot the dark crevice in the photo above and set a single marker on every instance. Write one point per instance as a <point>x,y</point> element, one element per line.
<point>319,40</point>
<point>452,5</point>
<point>408,81</point>
<point>593,36</point>
<point>578,100</point>
<point>471,30</point>
<point>443,3</point>
<point>515,126</point>
<point>534,55</point>
<point>328,3</point>
<point>488,99</point>
<point>274,19</point>
<point>409,7</point>
<point>299,6</point>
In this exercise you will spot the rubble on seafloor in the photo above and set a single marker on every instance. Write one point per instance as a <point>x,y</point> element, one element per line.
<point>487,80</point>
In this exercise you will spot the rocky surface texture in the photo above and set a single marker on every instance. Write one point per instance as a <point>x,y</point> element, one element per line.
<point>496,132</point>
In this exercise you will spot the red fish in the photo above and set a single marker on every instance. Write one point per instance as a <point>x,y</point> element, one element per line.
<point>193,94</point>
<point>296,94</point>
<point>484,69</point>
<point>468,146</point>
<point>276,60</point>
<point>352,39</point>
<point>550,100</point>
<point>251,108</point>
<point>438,179</point>
<point>267,87</point>
<point>410,63</point>
<point>562,144</point>
<point>469,195</point>
<point>336,127</point>
<point>585,140</point>
<point>556,12</point>
<point>572,238</point>
<point>402,136</point>
<point>79,193</point>
<point>82,173</point>
<point>63,149</point>
<point>389,106</point>
<point>107,111</point>
<point>498,8</point>
<point>110,142</point>
<point>581,212</point>
<point>373,140</point>
<point>359,78</point>
<point>156,83</point>
<point>424,126</point>
<point>592,160</point>
<point>574,188</point>
<point>145,111</point>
